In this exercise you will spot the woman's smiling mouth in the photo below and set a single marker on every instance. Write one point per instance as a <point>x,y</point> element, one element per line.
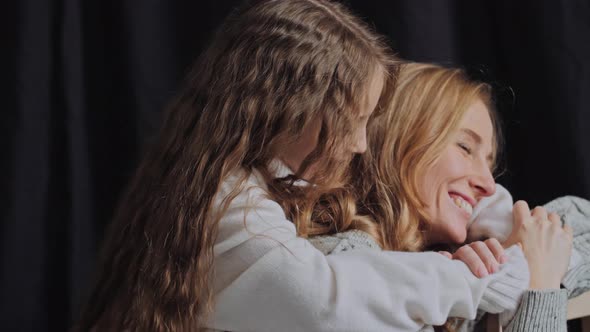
<point>461,203</point>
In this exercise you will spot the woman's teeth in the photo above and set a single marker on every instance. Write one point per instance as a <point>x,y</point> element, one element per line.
<point>460,202</point>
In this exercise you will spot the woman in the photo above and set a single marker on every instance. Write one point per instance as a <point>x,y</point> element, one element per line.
<point>210,235</point>
<point>429,163</point>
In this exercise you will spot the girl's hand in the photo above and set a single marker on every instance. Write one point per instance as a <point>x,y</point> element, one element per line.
<point>547,245</point>
<point>482,257</point>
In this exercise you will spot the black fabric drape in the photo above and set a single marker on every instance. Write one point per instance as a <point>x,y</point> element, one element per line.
<point>87,82</point>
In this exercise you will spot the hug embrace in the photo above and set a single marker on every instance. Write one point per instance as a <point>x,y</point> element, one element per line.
<point>306,179</point>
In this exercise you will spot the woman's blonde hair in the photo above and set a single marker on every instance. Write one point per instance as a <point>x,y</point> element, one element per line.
<point>424,114</point>
<point>273,68</point>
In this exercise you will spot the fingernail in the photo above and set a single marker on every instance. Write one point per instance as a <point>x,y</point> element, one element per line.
<point>482,272</point>
<point>503,259</point>
<point>494,268</point>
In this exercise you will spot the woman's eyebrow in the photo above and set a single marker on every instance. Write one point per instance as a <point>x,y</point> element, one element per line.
<point>473,135</point>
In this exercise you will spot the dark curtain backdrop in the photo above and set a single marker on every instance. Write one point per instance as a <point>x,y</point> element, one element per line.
<point>87,82</point>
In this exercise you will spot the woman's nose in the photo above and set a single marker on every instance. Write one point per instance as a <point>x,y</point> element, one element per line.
<point>484,182</point>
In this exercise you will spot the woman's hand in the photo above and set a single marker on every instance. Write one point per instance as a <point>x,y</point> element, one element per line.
<point>482,257</point>
<point>547,245</point>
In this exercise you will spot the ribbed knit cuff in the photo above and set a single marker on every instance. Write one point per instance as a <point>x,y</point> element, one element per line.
<point>541,311</point>
<point>508,285</point>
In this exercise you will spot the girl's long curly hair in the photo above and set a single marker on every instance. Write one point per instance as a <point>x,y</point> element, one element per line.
<point>273,68</point>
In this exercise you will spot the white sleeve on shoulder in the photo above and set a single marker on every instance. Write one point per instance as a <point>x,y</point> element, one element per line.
<point>269,279</point>
<point>492,217</point>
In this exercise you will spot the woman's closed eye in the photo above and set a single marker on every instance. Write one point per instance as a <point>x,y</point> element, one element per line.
<point>465,147</point>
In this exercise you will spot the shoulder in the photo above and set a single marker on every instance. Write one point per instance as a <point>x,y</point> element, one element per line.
<point>244,196</point>
<point>246,211</point>
<point>241,187</point>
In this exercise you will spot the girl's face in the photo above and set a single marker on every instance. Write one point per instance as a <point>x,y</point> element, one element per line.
<point>294,154</point>
<point>460,178</point>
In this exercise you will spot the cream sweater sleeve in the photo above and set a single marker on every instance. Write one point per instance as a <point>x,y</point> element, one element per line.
<point>541,310</point>
<point>492,217</point>
<point>269,279</point>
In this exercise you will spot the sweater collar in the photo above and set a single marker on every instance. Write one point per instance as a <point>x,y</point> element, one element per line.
<point>280,170</point>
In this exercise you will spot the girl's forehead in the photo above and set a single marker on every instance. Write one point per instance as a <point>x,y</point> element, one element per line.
<point>372,93</point>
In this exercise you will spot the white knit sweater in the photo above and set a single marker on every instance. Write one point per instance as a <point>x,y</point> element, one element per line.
<point>269,279</point>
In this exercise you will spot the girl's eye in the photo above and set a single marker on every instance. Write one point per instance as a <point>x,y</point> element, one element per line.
<point>464,147</point>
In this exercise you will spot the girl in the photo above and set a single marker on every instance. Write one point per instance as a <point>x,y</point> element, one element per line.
<point>210,234</point>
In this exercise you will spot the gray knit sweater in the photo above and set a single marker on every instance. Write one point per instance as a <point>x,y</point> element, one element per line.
<point>539,310</point>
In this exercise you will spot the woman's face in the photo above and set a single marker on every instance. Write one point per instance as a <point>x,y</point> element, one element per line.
<point>294,154</point>
<point>460,178</point>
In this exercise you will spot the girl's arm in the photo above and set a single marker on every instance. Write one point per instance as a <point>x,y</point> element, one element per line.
<point>268,278</point>
<point>546,301</point>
